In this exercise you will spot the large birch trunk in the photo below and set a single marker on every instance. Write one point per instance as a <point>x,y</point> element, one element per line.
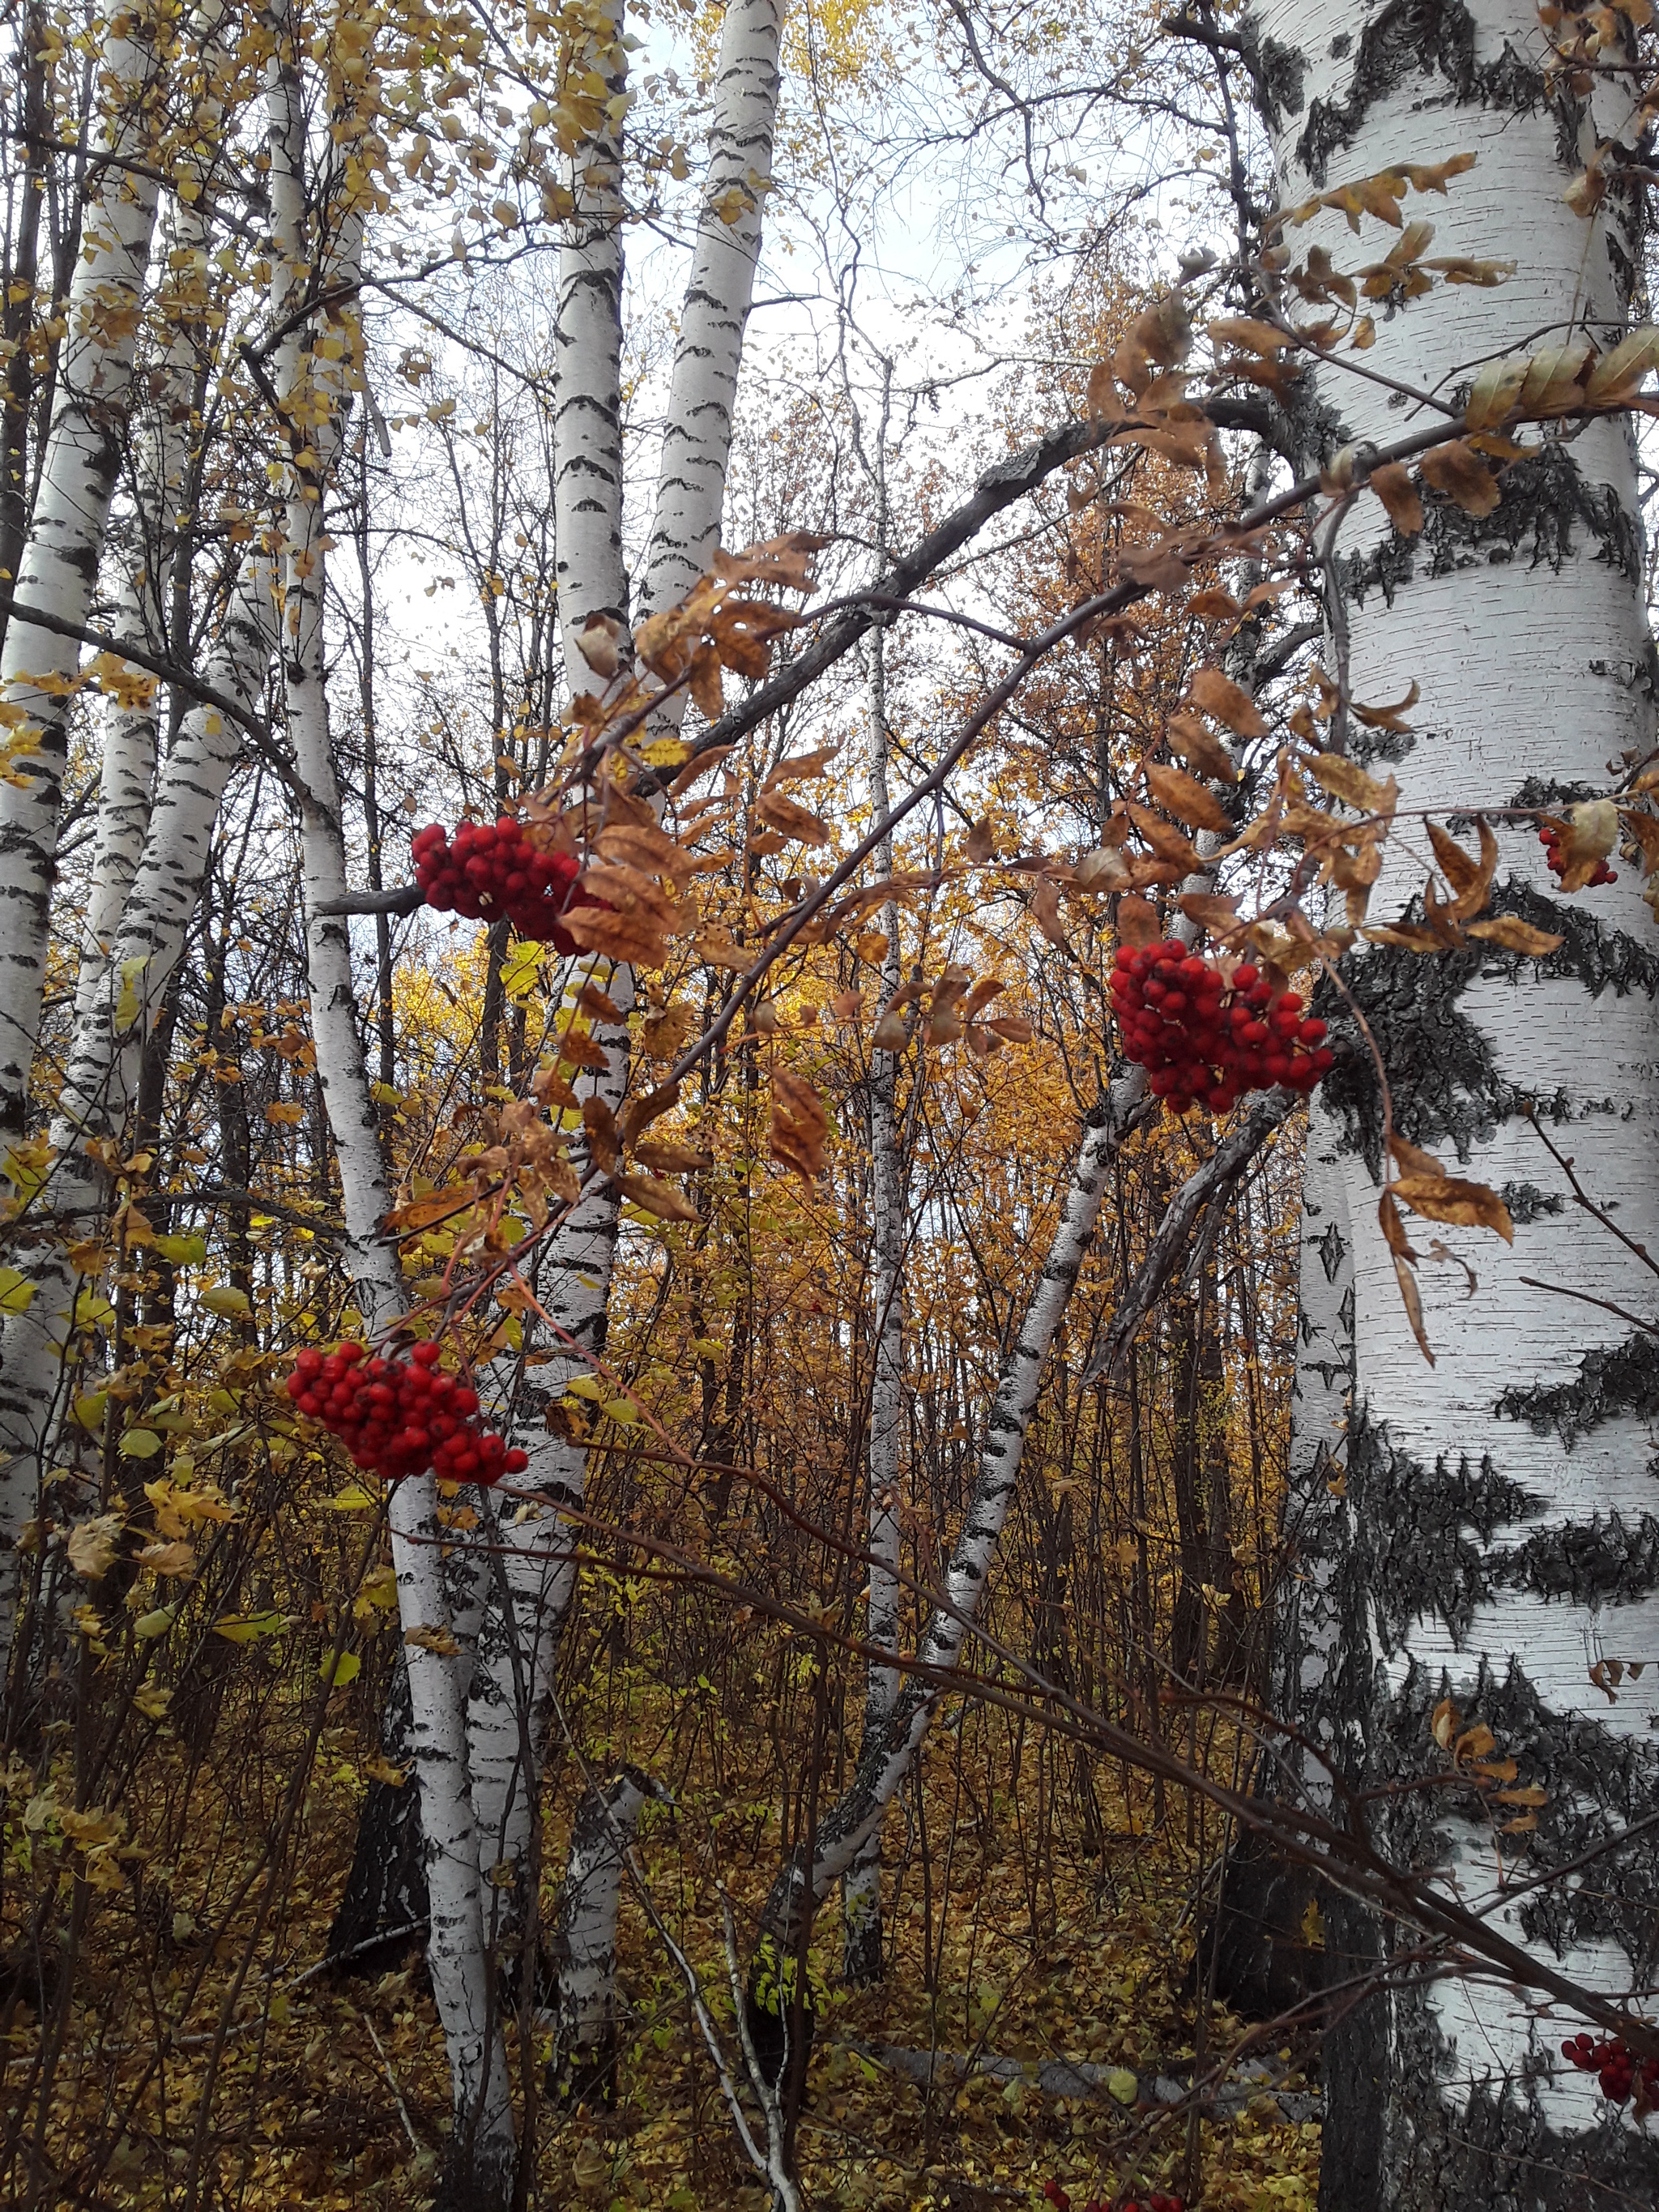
<point>59,567</point>
<point>480,2153</point>
<point>1496,1537</point>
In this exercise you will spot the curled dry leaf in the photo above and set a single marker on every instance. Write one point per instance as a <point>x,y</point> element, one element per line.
<point>1167,841</point>
<point>1411,1157</point>
<point>1045,912</point>
<point>439,1641</point>
<point>1137,921</point>
<point>1590,833</point>
<point>1103,870</point>
<point>801,767</point>
<point>640,1113</point>
<point>1394,1228</point>
<point>663,1156</point>
<point>646,848</point>
<point>1412,1299</point>
<point>1347,780</point>
<point>604,1144</point>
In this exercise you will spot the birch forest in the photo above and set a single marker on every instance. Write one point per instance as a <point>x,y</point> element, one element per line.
<point>828,999</point>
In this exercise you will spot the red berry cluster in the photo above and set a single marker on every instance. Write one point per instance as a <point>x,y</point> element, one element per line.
<point>1156,2202</point>
<point>1206,1038</point>
<point>401,1416</point>
<point>1613,2060</point>
<point>1550,838</point>
<point>491,869</point>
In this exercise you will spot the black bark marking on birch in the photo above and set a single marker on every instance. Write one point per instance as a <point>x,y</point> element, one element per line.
<point>1409,39</point>
<point>1547,507</point>
<point>1421,1557</point>
<point>1622,1378</point>
<point>1441,1068</point>
<point>1526,1202</point>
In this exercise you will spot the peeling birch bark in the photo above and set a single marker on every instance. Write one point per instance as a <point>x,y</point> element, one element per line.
<point>1498,1532</point>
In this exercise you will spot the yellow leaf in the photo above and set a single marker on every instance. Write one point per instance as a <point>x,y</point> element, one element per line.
<point>140,1443</point>
<point>230,1304</point>
<point>338,1669</point>
<point>15,1292</point>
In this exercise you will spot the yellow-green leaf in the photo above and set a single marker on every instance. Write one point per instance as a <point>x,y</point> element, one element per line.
<point>140,1443</point>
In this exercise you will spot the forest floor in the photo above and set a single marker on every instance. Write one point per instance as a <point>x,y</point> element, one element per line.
<point>204,2074</point>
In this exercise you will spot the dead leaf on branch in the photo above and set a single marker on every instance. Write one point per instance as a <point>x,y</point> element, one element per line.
<point>801,1127</point>
<point>1217,694</point>
<point>1187,799</point>
<point>1516,936</point>
<point>1459,474</point>
<point>1045,912</point>
<point>1411,1297</point>
<point>1450,1198</point>
<point>661,1199</point>
<point>91,1545</point>
<point>793,820</point>
<point>1393,485</point>
<point>439,1641</point>
<point>1195,741</point>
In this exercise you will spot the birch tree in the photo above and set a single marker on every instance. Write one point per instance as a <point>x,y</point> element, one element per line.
<point>510,1704</point>
<point>1484,1551</point>
<point>58,572</point>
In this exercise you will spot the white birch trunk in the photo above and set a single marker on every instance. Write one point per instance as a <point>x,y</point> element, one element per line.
<point>1499,1533</point>
<point>861,1949</point>
<point>518,1641</point>
<point>60,568</point>
<point>703,397</point>
<point>583,2067</point>
<point>112,1018</point>
<point>481,2153</point>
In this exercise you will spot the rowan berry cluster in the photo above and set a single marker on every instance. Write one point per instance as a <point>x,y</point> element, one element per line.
<point>1208,1036</point>
<point>1156,2202</point>
<point>401,1416</point>
<point>489,869</point>
<point>1611,2058</point>
<point>1550,838</point>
